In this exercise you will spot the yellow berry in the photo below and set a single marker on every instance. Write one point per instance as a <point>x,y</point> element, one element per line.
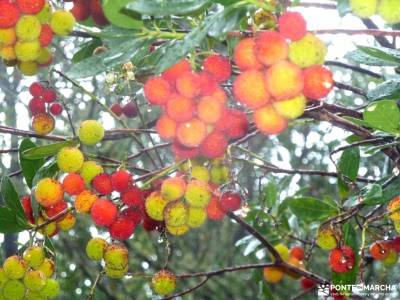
<point>178,230</point>
<point>45,56</point>
<point>30,68</point>
<point>197,193</point>
<point>51,290</point>
<point>155,205</point>
<point>14,267</point>
<point>70,159</point>
<point>115,273</point>
<point>116,256</point>
<point>34,280</point>
<point>13,290</point>
<point>326,239</point>
<point>47,267</point>
<point>176,213</point>
<point>283,251</point>
<point>291,108</point>
<point>89,170</point>
<point>95,248</point>
<point>91,132</point>
<point>308,51</point>
<point>163,282</point>
<point>48,192</point>
<point>196,217</point>
<point>34,256</point>
<point>27,51</point>
<point>200,173</point>
<point>173,188</point>
<point>28,28</point>
<point>67,223</point>
<point>41,123</point>
<point>31,295</point>
<point>8,37</point>
<point>219,174</point>
<point>389,10</point>
<point>62,22</point>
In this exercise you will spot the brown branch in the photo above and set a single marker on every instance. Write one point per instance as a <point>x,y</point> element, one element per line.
<point>2,151</point>
<point>353,68</point>
<point>350,88</point>
<point>188,291</point>
<point>57,217</point>
<point>140,152</point>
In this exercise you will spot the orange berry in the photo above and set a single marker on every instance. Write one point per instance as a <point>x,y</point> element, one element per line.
<point>48,192</point>
<point>209,110</point>
<point>379,250</point>
<point>297,252</point>
<point>270,47</point>
<point>207,83</point>
<point>157,90</point>
<point>273,274</point>
<point>172,73</point>
<point>183,152</point>
<point>73,184</point>
<point>268,121</point>
<point>318,82</point>
<point>214,209</point>
<point>244,55</point>
<point>234,123</point>
<point>180,109</point>
<point>250,89</point>
<point>394,208</point>
<point>214,145</point>
<point>292,25</point>
<point>104,212</point>
<point>219,95</point>
<point>218,66</point>
<point>188,85</point>
<point>191,133</point>
<point>284,80</point>
<point>67,222</point>
<point>166,127</point>
<point>84,201</point>
<point>43,123</point>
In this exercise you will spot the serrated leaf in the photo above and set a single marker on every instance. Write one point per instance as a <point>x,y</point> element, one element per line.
<point>118,16</point>
<point>383,115</point>
<point>29,167</point>
<point>308,209</point>
<point>11,199</point>
<point>48,150</point>
<point>167,7</point>
<point>387,90</point>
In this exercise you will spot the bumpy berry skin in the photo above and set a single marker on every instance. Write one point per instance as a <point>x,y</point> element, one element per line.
<point>184,152</point>
<point>43,123</point>
<point>166,127</point>
<point>244,55</point>
<point>389,10</point>
<point>394,209</point>
<point>163,282</point>
<point>218,66</point>
<point>115,273</point>
<point>173,188</point>
<point>133,197</point>
<point>196,217</point>
<point>95,248</point>
<point>116,108</point>
<point>28,28</point>
<point>189,85</point>
<point>84,201</point>
<point>121,180</point>
<point>56,109</point>
<point>291,108</point>
<point>102,184</point>
<point>27,51</point>
<point>297,252</point>
<point>250,89</point>
<point>91,132</point>
<point>130,110</point>
<point>8,37</point>
<point>34,256</point>
<point>177,230</point>
<point>13,290</point>
<point>270,47</point>
<point>30,7</point>
<point>48,192</point>
<point>157,91</point>
<point>49,95</point>
<point>318,82</point>
<point>326,239</point>
<point>175,71</point>
<point>364,8</point>
<point>208,84</point>
<point>308,51</point>
<point>180,108</point>
<point>37,106</point>
<point>70,159</point>
<point>34,280</point>
<point>73,184</point>
<point>155,205</point>
<point>116,256</point>
<point>292,25</point>
<point>272,274</point>
<point>89,170</point>
<point>233,123</point>
<point>200,173</point>
<point>197,193</point>
<point>46,36</point>
<point>214,209</point>
<point>209,110</point>
<point>36,89</point>
<point>379,250</point>
<point>122,228</point>
<point>67,223</point>
<point>268,121</point>
<point>214,145</point>
<point>342,259</point>
<point>104,212</point>
<point>190,134</point>
<point>47,267</point>
<point>62,22</point>
<point>14,267</point>
<point>176,213</point>
<point>9,14</point>
<point>134,214</point>
<point>51,290</point>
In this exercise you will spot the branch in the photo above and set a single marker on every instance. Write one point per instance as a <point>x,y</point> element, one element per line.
<point>188,291</point>
<point>354,68</point>
<point>350,88</point>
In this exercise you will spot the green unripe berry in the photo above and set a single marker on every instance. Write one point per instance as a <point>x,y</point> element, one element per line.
<point>364,8</point>
<point>3,278</point>
<point>91,132</point>
<point>44,16</point>
<point>95,248</point>
<point>391,259</point>
<point>163,282</point>
<point>14,267</point>
<point>326,239</point>
<point>70,159</point>
<point>31,295</point>
<point>34,256</point>
<point>115,273</point>
<point>116,256</point>
<point>389,10</point>
<point>219,174</point>
<point>13,290</point>
<point>51,289</point>
<point>62,22</point>
<point>28,28</point>
<point>197,193</point>
<point>34,280</point>
<point>200,173</point>
<point>90,169</point>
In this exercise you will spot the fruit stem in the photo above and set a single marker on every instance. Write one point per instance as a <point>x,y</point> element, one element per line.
<point>164,172</point>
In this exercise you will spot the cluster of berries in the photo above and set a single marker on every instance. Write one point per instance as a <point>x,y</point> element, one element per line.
<point>386,251</point>
<point>281,71</point>
<point>389,10</point>
<point>28,277</point>
<point>26,32</point>
<point>196,117</point>
<point>43,107</point>
<point>115,256</point>
<point>129,110</point>
<point>83,9</point>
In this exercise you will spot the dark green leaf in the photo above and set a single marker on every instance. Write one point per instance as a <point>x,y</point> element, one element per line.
<point>270,195</point>
<point>388,90</point>
<point>115,13</point>
<point>9,223</point>
<point>48,150</point>
<point>227,21</point>
<point>372,194</point>
<point>29,167</point>
<point>167,7</point>
<point>11,199</point>
<point>392,190</point>
<point>349,163</point>
<point>310,209</point>
<point>86,50</point>
<point>387,54</point>
<point>361,57</point>
<point>383,115</point>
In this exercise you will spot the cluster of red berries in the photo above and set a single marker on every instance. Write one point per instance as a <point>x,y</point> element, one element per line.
<point>43,106</point>
<point>83,9</point>
<point>281,71</point>
<point>26,32</point>
<point>129,110</point>
<point>196,117</point>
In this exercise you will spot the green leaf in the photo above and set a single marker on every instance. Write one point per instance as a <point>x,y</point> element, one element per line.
<point>310,209</point>
<point>372,194</point>
<point>227,21</point>
<point>8,222</point>
<point>115,13</point>
<point>29,167</point>
<point>349,239</point>
<point>361,57</point>
<point>392,190</point>
<point>387,54</point>
<point>270,194</point>
<point>118,53</point>
<point>383,115</point>
<point>86,50</point>
<point>349,162</point>
<point>343,7</point>
<point>48,150</point>
<point>11,199</point>
<point>389,89</point>
<point>167,7</point>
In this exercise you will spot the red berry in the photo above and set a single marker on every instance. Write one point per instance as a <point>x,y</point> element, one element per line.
<point>73,184</point>
<point>379,250</point>
<point>46,35</point>
<point>122,229</point>
<point>116,109</point>
<point>149,224</point>
<point>9,14</point>
<point>183,152</point>
<point>36,89</point>
<point>130,110</point>
<point>54,210</point>
<point>97,13</point>
<point>104,212</point>
<point>342,259</point>
<point>49,95</point>
<point>133,197</point>
<point>102,184</point>
<point>56,109</point>
<point>318,82</point>
<point>133,214</point>
<point>80,10</point>
<point>292,25</point>
<point>27,206</point>
<point>30,7</point>
<point>297,252</point>
<point>307,283</point>
<point>395,243</point>
<point>121,180</point>
<point>234,123</point>
<point>214,145</point>
<point>230,201</point>
<point>214,209</point>
<point>172,73</point>
<point>37,106</point>
<point>207,83</point>
<point>218,66</point>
